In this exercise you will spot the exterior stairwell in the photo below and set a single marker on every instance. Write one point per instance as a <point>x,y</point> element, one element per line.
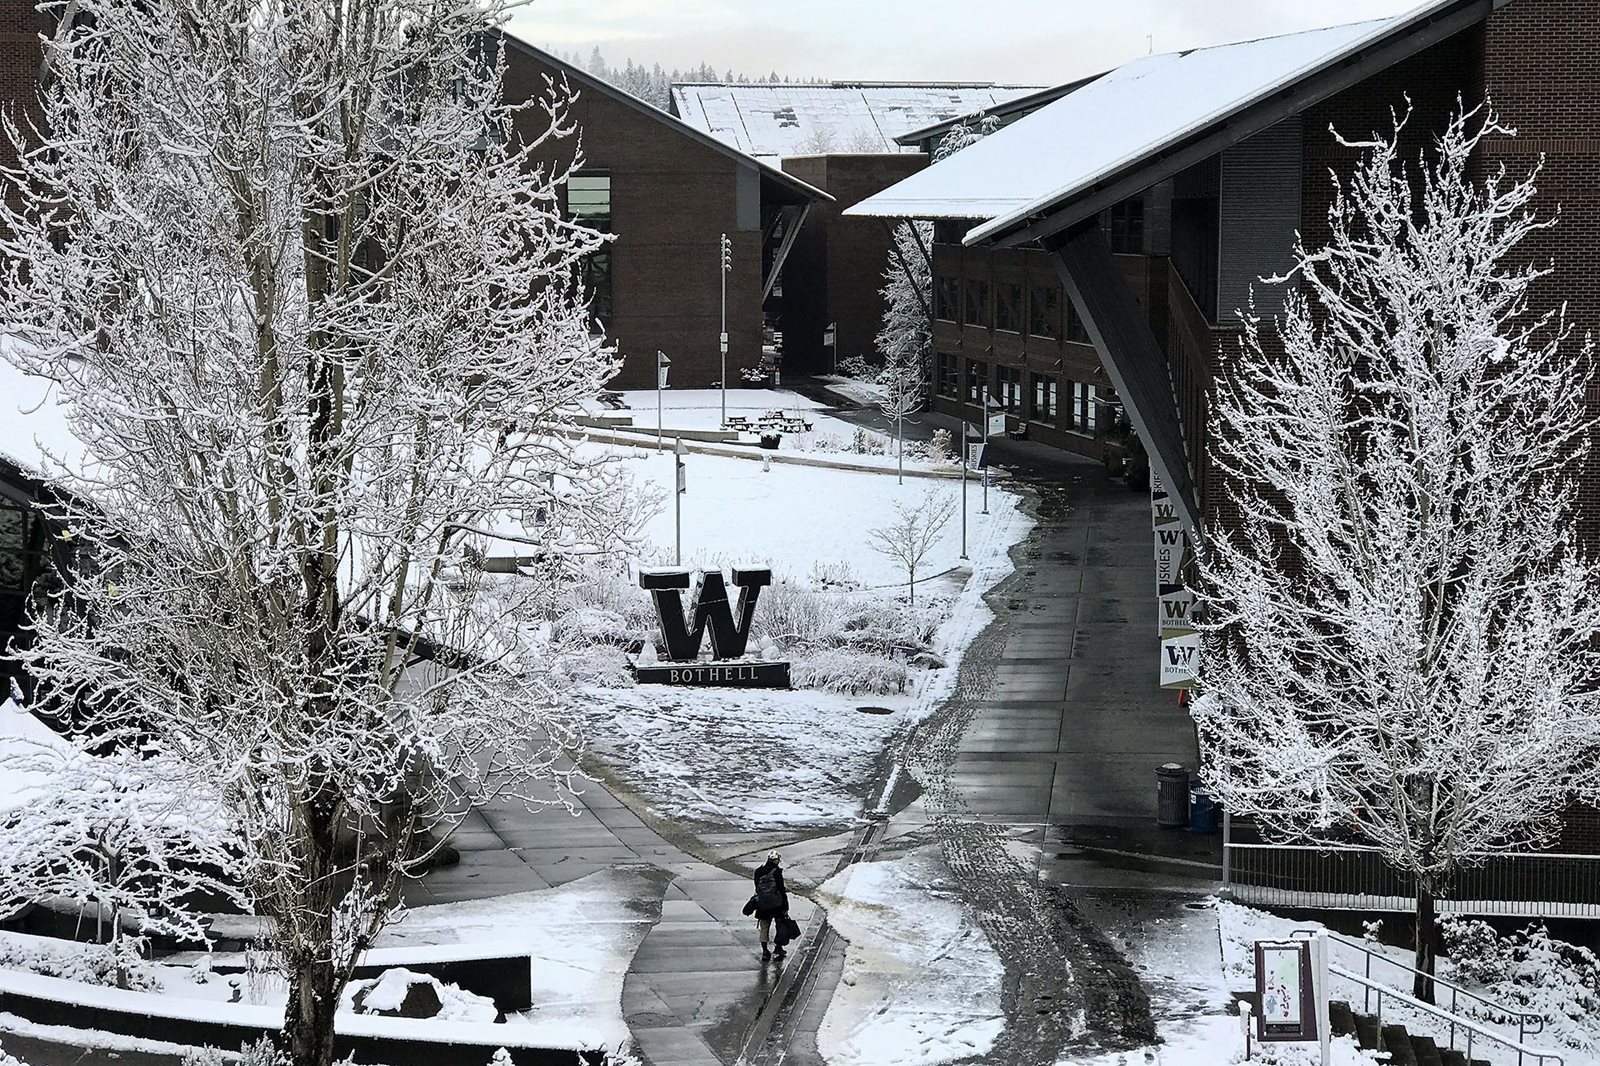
<point>1403,1048</point>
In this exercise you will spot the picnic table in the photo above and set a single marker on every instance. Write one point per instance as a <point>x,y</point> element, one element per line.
<point>787,422</point>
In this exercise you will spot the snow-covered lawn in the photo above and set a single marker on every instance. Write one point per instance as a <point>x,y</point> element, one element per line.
<point>794,518</point>
<point>743,758</point>
<point>921,982</point>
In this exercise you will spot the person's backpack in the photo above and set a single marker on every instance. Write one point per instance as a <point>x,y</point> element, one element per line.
<point>768,898</point>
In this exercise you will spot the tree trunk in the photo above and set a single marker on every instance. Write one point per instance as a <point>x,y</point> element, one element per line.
<point>900,449</point>
<point>1426,935</point>
<point>308,1018</point>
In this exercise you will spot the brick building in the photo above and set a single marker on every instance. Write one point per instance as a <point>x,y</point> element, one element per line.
<point>1098,247</point>
<point>846,138</point>
<point>669,191</point>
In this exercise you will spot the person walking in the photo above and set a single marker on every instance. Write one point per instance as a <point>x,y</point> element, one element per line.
<point>771,900</point>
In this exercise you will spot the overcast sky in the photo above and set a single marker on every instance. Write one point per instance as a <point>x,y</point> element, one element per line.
<point>1041,42</point>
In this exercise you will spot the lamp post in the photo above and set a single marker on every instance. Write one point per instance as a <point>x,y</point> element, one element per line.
<point>663,364</point>
<point>679,486</point>
<point>964,439</point>
<point>727,266</point>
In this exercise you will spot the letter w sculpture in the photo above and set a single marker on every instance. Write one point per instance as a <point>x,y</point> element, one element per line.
<point>730,628</point>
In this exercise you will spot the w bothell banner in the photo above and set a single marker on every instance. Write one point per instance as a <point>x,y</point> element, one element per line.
<point>1180,644</point>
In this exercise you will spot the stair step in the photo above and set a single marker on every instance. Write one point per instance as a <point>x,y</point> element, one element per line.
<point>1452,1057</point>
<point>1426,1051</point>
<point>1397,1042</point>
<point>1367,1031</point>
<point>1341,1019</point>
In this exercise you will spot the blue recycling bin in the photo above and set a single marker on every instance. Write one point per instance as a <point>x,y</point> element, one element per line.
<point>1205,814</point>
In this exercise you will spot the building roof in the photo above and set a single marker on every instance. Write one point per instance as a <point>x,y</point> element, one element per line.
<point>1016,106</point>
<point>1144,111</point>
<point>786,182</point>
<point>776,121</point>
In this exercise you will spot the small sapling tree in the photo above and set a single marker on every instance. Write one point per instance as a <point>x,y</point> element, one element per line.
<point>913,535</point>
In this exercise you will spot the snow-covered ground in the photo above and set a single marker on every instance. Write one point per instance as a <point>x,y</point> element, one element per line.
<point>921,982</point>
<point>797,759</point>
<point>794,518</point>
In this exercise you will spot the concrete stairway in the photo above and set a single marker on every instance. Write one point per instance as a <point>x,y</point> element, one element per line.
<point>1403,1048</point>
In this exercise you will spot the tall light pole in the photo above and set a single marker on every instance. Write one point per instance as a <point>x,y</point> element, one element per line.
<point>726,248</point>
<point>679,487</point>
<point>662,366</point>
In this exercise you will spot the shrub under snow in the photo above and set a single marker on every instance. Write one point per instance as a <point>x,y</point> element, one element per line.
<point>1531,970</point>
<point>851,673</point>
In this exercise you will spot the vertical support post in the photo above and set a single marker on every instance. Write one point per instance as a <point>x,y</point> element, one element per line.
<point>1227,852</point>
<point>726,263</point>
<point>677,501</point>
<point>963,489</point>
<point>984,473</point>
<point>1319,991</point>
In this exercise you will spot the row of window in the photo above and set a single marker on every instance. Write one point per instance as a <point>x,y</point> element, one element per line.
<point>1002,307</point>
<point>1071,405</point>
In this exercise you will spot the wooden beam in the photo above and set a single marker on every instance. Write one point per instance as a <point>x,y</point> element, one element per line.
<point>1131,355</point>
<point>1291,101</point>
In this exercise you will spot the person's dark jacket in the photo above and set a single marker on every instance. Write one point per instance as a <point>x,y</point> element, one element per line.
<point>772,898</point>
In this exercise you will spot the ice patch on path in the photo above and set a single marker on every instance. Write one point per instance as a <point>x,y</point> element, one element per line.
<point>581,938</point>
<point>1220,1042</point>
<point>741,757</point>
<point>921,981</point>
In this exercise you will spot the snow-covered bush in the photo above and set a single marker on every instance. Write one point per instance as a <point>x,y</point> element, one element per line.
<point>1532,970</point>
<point>866,442</point>
<point>853,673</point>
<point>839,574</point>
<point>262,1052</point>
<point>587,626</point>
<point>600,665</point>
<point>793,615</point>
<point>90,964</point>
<point>891,627</point>
<point>938,451</point>
<point>857,367</point>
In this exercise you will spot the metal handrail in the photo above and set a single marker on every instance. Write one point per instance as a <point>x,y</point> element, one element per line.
<point>1472,1028</point>
<point>1528,1023</point>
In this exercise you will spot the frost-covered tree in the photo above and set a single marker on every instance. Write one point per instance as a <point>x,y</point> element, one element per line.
<point>912,536</point>
<point>904,382</point>
<point>300,275</point>
<point>1402,637</point>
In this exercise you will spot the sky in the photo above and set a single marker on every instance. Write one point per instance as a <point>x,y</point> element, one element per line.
<point>1025,42</point>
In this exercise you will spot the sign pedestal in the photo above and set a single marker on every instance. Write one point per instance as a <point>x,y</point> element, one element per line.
<point>721,674</point>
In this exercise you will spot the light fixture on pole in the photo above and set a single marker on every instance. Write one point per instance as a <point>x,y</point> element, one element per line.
<point>727,267</point>
<point>663,364</point>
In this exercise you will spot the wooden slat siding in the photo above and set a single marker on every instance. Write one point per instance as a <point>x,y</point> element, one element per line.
<point>1260,214</point>
<point>1130,353</point>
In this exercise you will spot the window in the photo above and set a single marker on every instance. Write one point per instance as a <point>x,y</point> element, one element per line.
<point>977,376</point>
<point>944,299</point>
<point>1008,388</point>
<point>1084,415</point>
<point>1127,226</point>
<point>977,304</point>
<point>20,562</point>
<point>1044,311</point>
<point>1077,332</point>
<point>1008,307</point>
<point>1044,398</point>
<point>949,375</point>
<point>589,200</point>
<point>597,283</point>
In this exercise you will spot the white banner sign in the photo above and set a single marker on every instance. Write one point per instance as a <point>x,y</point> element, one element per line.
<point>1174,609</point>
<point>1180,661</point>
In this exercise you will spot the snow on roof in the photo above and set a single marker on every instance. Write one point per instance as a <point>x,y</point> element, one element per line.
<point>1112,122</point>
<point>790,120</point>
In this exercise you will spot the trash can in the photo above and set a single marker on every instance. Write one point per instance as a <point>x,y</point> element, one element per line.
<point>770,441</point>
<point>1172,796</point>
<point>1205,816</point>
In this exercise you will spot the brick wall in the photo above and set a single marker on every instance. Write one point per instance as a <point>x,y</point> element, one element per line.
<point>835,272</point>
<point>672,197</point>
<point>20,56</point>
